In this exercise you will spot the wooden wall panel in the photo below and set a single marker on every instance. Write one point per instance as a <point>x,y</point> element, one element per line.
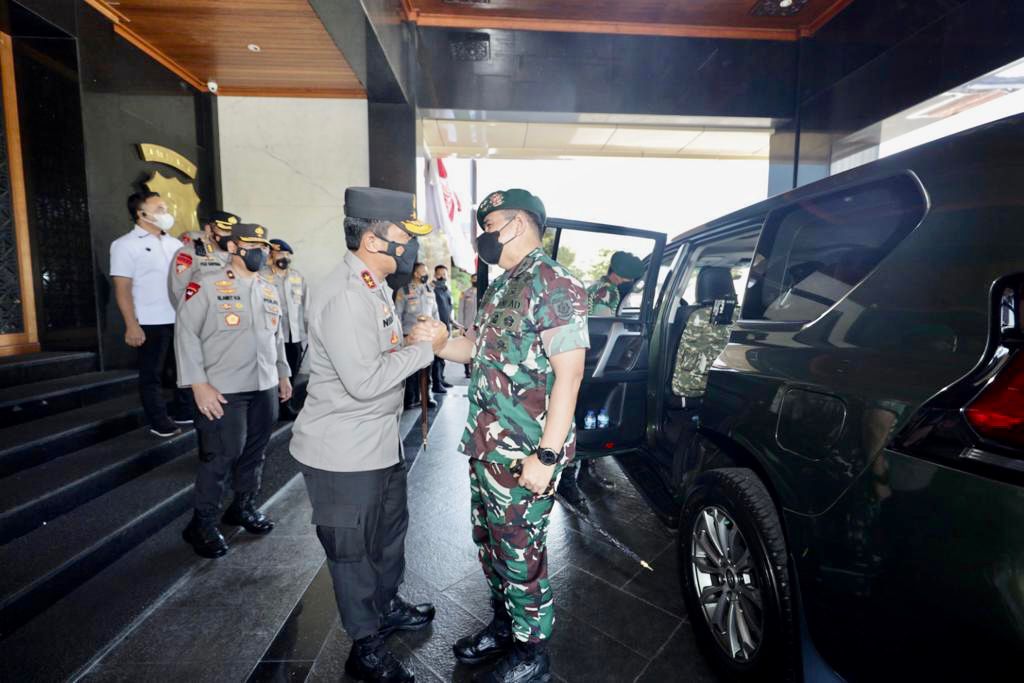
<point>207,40</point>
<point>695,18</point>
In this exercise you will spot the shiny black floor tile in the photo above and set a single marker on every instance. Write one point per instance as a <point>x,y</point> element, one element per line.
<point>661,587</point>
<point>679,661</point>
<point>580,653</point>
<point>637,624</point>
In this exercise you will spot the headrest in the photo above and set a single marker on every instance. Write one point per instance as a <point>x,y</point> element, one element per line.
<point>714,283</point>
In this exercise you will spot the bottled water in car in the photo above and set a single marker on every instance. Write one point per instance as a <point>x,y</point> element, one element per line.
<point>602,419</point>
<point>589,422</point>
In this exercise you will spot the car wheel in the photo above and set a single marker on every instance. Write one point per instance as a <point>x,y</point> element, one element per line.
<point>736,585</point>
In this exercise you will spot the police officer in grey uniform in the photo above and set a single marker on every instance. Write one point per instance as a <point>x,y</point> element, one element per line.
<point>294,294</point>
<point>413,302</point>
<point>230,348</point>
<point>346,438</point>
<point>201,252</point>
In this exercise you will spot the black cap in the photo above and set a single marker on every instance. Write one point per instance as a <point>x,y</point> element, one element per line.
<point>280,245</point>
<point>250,232</point>
<point>222,220</point>
<point>374,203</point>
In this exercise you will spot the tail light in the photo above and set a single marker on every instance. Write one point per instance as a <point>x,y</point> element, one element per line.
<point>977,423</point>
<point>997,414</point>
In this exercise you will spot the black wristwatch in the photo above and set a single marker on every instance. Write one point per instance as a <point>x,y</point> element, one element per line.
<point>548,456</point>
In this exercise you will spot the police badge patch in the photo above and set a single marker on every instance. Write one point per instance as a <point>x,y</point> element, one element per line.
<point>182,262</point>
<point>191,289</point>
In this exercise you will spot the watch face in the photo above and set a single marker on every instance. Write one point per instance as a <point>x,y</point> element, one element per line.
<point>547,456</point>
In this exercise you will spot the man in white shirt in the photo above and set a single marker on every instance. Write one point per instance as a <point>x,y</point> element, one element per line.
<point>139,263</point>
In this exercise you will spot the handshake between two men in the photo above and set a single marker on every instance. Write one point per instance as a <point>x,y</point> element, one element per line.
<point>428,330</point>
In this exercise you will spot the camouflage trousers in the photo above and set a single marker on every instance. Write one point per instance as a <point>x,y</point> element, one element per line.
<point>510,528</point>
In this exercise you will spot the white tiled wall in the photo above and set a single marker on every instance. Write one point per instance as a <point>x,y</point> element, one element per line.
<point>285,164</point>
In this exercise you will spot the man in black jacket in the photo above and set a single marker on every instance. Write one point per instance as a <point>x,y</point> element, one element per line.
<point>444,313</point>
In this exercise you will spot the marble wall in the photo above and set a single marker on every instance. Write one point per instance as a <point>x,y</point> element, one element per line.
<point>285,163</point>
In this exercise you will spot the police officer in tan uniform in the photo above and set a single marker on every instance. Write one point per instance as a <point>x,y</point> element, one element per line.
<point>201,252</point>
<point>346,438</point>
<point>230,348</point>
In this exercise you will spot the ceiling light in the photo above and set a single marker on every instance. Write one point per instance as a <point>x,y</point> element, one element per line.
<point>253,47</point>
<point>785,3</point>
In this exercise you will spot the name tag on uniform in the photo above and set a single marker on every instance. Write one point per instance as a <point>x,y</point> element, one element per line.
<point>387,322</point>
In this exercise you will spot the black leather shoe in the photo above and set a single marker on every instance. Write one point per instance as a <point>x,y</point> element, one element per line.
<point>570,491</point>
<point>401,616</point>
<point>243,513</point>
<point>447,385</point>
<point>412,404</point>
<point>589,474</point>
<point>526,663</point>
<point>431,403</point>
<point>440,390</point>
<point>493,640</point>
<point>369,660</point>
<point>205,538</point>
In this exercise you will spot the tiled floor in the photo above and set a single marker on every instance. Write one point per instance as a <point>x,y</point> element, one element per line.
<point>266,611</point>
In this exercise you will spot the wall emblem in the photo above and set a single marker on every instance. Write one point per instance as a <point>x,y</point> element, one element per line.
<point>182,199</point>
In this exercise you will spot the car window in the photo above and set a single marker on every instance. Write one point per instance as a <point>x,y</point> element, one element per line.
<point>739,278</point>
<point>811,255</point>
<point>631,302</point>
<point>588,255</point>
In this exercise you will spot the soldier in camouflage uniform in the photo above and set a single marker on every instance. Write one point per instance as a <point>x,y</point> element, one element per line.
<point>706,332</point>
<point>201,253</point>
<point>527,366</point>
<point>603,295</point>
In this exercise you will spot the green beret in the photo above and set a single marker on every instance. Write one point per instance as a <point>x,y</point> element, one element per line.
<point>511,199</point>
<point>626,265</point>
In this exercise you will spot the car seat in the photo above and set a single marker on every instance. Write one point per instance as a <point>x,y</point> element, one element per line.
<point>706,333</point>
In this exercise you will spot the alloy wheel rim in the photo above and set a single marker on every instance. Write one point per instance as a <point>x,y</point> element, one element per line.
<point>727,587</point>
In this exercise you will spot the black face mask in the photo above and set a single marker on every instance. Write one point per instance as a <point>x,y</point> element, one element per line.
<point>440,282</point>
<point>405,262</point>
<point>489,245</point>
<point>221,241</point>
<point>283,263</point>
<point>254,259</point>
<point>424,279</point>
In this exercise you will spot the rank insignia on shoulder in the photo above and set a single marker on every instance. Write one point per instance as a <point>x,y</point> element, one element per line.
<point>232,319</point>
<point>182,262</point>
<point>191,289</point>
<point>368,279</point>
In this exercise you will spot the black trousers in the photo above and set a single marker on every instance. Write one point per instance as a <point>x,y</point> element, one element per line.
<point>293,353</point>
<point>412,388</point>
<point>361,519</point>
<point>156,370</point>
<point>437,372</point>
<point>235,446</point>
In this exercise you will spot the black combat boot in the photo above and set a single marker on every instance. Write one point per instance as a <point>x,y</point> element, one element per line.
<point>401,616</point>
<point>495,638</point>
<point>204,537</point>
<point>526,663</point>
<point>589,474</point>
<point>370,660</point>
<point>569,489</point>
<point>243,513</point>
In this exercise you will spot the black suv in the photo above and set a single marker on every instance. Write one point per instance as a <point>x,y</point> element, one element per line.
<point>824,393</point>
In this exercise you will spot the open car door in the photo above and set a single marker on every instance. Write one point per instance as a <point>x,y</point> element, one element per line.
<point>615,379</point>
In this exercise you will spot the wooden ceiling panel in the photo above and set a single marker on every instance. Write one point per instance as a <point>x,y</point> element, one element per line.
<point>773,19</point>
<point>209,39</point>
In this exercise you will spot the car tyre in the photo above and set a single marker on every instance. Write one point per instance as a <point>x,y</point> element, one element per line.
<point>739,599</point>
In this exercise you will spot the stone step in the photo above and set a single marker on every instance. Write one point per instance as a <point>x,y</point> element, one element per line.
<point>40,441</point>
<point>43,566</point>
<point>26,402</point>
<point>35,496</point>
<point>37,367</point>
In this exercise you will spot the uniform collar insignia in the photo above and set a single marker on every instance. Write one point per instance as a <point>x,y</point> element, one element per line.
<point>368,280</point>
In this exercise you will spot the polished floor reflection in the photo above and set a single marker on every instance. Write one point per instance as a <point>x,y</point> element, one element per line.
<point>266,611</point>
